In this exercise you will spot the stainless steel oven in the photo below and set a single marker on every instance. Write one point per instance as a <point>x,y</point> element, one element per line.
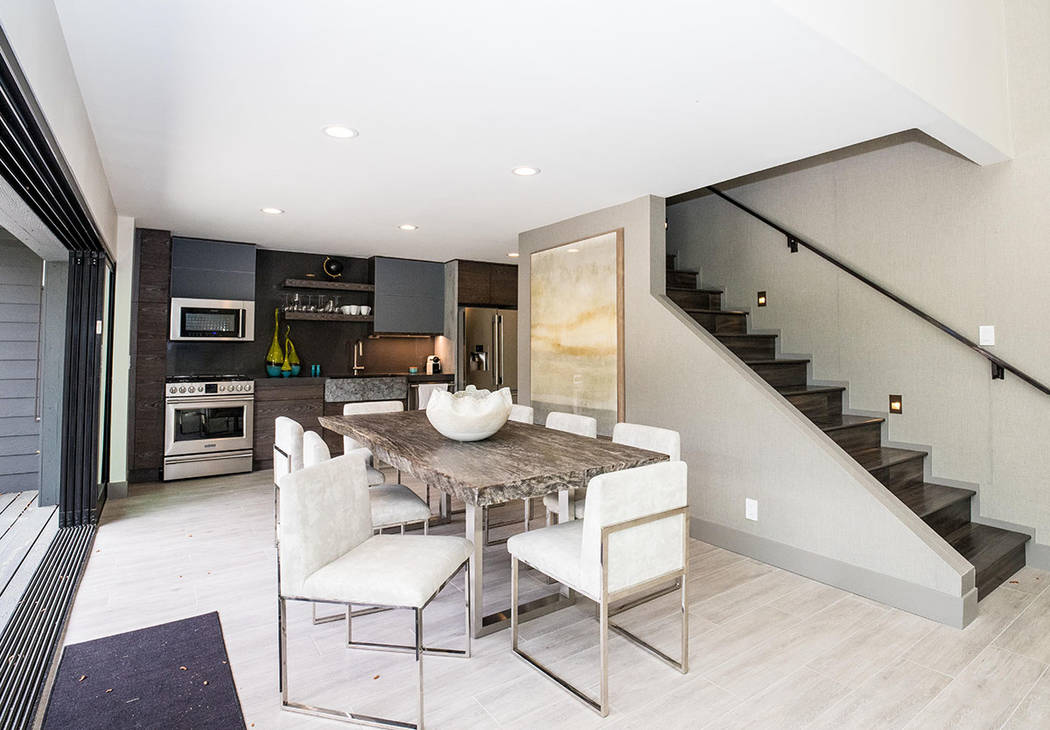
<point>223,320</point>
<point>208,426</point>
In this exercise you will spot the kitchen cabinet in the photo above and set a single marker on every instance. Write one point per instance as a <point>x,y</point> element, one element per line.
<point>301,399</point>
<point>483,284</point>
<point>409,296</point>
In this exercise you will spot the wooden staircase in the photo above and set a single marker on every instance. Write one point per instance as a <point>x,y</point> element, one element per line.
<point>996,554</point>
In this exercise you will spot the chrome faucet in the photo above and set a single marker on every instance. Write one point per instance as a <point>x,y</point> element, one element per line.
<point>359,351</point>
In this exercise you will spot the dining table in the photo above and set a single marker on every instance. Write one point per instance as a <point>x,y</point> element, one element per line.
<point>517,462</point>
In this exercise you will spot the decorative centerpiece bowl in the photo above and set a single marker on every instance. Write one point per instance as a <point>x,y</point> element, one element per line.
<point>469,415</point>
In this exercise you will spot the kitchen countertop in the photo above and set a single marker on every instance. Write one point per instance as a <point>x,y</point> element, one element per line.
<point>415,377</point>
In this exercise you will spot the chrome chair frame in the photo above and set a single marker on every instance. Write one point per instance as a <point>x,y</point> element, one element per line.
<point>417,648</point>
<point>601,704</point>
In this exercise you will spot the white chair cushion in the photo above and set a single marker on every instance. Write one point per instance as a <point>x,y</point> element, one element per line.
<point>550,501</point>
<point>375,477</point>
<point>365,407</point>
<point>315,450</point>
<point>395,504</point>
<point>663,440</point>
<point>390,570</point>
<point>288,437</point>
<point>554,551</point>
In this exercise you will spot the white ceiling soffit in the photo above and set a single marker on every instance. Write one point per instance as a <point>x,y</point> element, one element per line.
<point>207,111</point>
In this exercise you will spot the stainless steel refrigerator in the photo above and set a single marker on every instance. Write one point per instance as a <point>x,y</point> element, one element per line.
<point>489,348</point>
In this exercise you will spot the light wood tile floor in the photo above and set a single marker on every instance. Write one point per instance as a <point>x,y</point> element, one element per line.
<point>768,649</point>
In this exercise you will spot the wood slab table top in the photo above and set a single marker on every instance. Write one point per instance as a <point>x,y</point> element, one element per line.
<point>520,460</point>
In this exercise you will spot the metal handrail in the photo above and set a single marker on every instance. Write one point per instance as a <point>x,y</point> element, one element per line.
<point>999,366</point>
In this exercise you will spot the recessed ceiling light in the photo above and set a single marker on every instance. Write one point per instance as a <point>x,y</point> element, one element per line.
<point>407,227</point>
<point>574,250</point>
<point>271,211</point>
<point>514,254</point>
<point>340,132</point>
<point>526,171</point>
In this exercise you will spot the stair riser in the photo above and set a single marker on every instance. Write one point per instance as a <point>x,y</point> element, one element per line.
<point>695,299</point>
<point>994,576</point>
<point>901,475</point>
<point>681,278</point>
<point>718,323</point>
<point>781,375</point>
<point>852,440</point>
<point>818,405</point>
<point>755,347</point>
<point>950,518</point>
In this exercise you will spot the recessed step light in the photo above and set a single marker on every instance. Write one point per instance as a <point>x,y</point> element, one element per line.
<point>340,132</point>
<point>526,171</point>
<point>271,211</point>
<point>408,227</point>
<point>514,254</point>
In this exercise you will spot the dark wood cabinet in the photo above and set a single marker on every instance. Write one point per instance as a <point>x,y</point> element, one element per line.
<point>483,284</point>
<point>149,340</point>
<point>301,399</point>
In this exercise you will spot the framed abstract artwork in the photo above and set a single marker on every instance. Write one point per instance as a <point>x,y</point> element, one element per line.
<point>576,333</point>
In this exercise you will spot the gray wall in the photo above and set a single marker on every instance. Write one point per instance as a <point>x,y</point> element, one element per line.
<point>966,243</point>
<point>20,300</point>
<point>820,513</point>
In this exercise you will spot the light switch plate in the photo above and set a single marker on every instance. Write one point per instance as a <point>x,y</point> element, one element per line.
<point>986,335</point>
<point>751,509</point>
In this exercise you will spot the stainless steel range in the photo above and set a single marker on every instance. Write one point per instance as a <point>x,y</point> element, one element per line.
<point>208,425</point>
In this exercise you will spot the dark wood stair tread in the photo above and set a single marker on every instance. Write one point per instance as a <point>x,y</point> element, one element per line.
<point>786,390</point>
<point>994,553</point>
<point>880,458</point>
<point>695,310</point>
<point>743,334</point>
<point>690,289</point>
<point>785,361</point>
<point>834,423</point>
<point>924,498</point>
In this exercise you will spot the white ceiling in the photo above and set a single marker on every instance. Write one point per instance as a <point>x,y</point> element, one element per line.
<point>206,111</point>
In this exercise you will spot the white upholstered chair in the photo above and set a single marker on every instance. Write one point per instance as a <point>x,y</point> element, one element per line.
<point>581,426</point>
<point>519,414</point>
<point>663,440</point>
<point>522,414</point>
<point>326,553</point>
<point>287,446</point>
<point>633,539</point>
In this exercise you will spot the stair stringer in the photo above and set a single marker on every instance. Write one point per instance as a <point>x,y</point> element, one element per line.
<point>821,513</point>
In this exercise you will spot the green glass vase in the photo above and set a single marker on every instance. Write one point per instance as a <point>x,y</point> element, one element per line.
<point>275,358</point>
<point>289,352</point>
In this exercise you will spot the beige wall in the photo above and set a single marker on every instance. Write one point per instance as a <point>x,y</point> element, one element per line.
<point>965,243</point>
<point>33,29</point>
<point>741,439</point>
<point>123,297</point>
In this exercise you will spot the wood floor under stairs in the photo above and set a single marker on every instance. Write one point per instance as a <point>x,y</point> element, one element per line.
<point>996,554</point>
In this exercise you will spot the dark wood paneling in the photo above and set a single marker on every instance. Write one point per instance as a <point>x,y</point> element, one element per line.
<point>149,354</point>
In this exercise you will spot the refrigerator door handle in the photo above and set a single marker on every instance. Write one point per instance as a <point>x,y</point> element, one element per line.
<point>495,349</point>
<point>499,326</point>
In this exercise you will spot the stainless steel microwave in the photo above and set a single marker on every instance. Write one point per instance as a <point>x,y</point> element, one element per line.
<point>224,320</point>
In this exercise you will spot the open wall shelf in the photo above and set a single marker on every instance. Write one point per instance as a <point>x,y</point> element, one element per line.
<point>329,285</point>
<point>329,316</point>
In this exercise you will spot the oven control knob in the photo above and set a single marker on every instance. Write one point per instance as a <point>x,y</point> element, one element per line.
<point>200,388</point>
<point>241,387</point>
<point>182,389</point>
<point>222,388</point>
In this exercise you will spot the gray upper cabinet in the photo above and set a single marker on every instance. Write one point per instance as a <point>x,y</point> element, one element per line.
<point>203,269</point>
<point>409,296</point>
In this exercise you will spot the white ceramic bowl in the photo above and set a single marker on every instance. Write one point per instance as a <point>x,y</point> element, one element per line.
<point>365,310</point>
<point>345,309</point>
<point>354,309</point>
<point>469,415</point>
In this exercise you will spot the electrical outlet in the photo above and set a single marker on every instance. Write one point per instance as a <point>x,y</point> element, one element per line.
<point>986,335</point>
<point>751,509</point>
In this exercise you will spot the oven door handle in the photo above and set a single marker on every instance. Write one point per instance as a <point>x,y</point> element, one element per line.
<point>212,401</point>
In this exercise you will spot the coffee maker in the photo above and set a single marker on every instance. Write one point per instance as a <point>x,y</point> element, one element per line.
<point>433,365</point>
